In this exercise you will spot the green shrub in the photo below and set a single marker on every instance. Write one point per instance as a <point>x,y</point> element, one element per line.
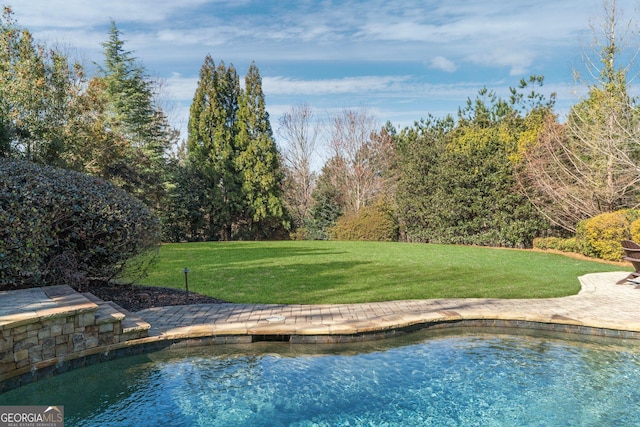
<point>298,234</point>
<point>569,245</point>
<point>374,223</point>
<point>58,226</point>
<point>556,243</point>
<point>600,236</point>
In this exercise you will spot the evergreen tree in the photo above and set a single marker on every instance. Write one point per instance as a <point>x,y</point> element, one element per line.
<point>200,147</point>
<point>420,150</point>
<point>329,200</point>
<point>212,147</point>
<point>232,209</point>
<point>184,217</point>
<point>458,179</point>
<point>38,92</point>
<point>231,147</point>
<point>131,113</point>
<point>259,160</point>
<point>128,89</point>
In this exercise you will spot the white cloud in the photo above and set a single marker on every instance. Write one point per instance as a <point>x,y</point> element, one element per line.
<point>280,85</point>
<point>444,64</point>
<point>519,62</point>
<point>181,88</point>
<point>372,30</point>
<point>332,53</point>
<point>86,13</point>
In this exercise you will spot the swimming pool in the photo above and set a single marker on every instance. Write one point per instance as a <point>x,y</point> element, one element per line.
<point>461,379</point>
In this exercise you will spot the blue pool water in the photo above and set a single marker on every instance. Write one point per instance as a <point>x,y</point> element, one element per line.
<point>453,380</point>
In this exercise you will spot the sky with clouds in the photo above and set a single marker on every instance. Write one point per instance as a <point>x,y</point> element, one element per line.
<point>399,59</point>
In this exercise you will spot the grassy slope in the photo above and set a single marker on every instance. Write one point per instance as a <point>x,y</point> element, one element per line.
<point>315,272</point>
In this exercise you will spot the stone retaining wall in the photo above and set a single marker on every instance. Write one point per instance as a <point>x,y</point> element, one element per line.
<point>48,327</point>
<point>36,342</point>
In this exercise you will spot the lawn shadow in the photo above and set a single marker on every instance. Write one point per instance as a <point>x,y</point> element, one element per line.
<point>287,284</point>
<point>240,252</point>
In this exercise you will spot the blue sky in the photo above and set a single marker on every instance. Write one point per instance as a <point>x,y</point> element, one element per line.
<point>400,60</point>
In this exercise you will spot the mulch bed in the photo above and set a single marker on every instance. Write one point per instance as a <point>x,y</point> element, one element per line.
<point>136,298</point>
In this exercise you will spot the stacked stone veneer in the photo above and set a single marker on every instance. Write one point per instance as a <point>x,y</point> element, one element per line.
<point>44,327</point>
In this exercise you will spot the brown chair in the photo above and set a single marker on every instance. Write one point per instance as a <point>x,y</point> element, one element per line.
<point>632,255</point>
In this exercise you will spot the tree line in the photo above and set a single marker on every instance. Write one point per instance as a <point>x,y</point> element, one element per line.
<point>500,172</point>
<point>224,183</point>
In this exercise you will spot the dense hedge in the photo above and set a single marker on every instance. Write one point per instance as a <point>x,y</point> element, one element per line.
<point>556,243</point>
<point>58,226</point>
<point>373,223</point>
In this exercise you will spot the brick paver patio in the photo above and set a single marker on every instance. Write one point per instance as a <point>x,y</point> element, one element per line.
<point>600,304</point>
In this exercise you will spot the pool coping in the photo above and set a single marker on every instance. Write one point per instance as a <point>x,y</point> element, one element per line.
<point>601,304</point>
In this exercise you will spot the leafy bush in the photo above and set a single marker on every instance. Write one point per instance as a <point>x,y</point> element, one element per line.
<point>373,223</point>
<point>58,226</point>
<point>556,243</point>
<point>300,234</point>
<point>544,243</point>
<point>634,229</point>
<point>600,236</point>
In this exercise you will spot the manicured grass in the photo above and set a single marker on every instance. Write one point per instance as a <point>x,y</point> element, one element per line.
<point>316,272</point>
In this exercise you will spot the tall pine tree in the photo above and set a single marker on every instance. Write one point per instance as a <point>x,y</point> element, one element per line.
<point>231,148</point>
<point>198,210</point>
<point>132,113</point>
<point>212,147</point>
<point>259,160</point>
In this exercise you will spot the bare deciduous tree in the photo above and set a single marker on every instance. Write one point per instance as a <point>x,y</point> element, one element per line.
<point>300,132</point>
<point>352,145</point>
<point>591,164</point>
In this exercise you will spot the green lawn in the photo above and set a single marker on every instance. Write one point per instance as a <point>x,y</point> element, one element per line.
<point>316,272</point>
